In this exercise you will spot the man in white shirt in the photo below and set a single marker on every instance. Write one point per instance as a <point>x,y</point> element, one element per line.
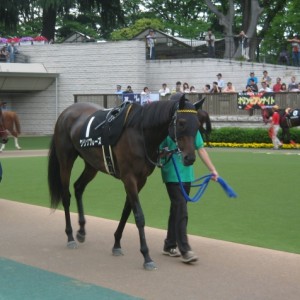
<point>265,88</point>
<point>221,83</point>
<point>164,90</point>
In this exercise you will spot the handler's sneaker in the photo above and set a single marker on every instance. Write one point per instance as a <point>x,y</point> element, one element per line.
<point>189,257</point>
<point>171,252</point>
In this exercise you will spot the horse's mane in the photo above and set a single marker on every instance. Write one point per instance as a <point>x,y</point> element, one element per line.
<point>157,113</point>
<point>151,115</point>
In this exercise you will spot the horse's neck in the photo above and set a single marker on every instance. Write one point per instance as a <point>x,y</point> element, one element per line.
<point>156,123</point>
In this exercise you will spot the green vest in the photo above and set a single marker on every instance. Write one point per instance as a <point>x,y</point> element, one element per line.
<point>186,172</point>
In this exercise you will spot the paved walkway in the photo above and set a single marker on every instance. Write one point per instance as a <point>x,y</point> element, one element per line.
<point>34,236</point>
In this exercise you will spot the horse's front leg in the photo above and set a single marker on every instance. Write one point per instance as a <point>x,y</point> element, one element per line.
<point>117,250</point>
<point>140,223</point>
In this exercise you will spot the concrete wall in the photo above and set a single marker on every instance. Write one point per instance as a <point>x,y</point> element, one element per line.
<point>96,68</point>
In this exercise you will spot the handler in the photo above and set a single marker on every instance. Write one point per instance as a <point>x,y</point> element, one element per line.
<point>178,218</point>
<point>275,128</point>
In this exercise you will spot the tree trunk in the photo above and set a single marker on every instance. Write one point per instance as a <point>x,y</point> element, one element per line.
<point>49,21</point>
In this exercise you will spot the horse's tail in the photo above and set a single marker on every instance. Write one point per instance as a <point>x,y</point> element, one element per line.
<point>54,179</point>
<point>17,124</point>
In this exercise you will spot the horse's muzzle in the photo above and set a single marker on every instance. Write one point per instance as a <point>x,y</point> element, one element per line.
<point>188,160</point>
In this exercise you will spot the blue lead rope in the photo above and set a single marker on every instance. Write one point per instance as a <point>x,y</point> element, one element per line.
<point>204,181</point>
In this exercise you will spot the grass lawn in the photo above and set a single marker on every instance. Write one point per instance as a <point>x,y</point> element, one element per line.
<point>266,212</point>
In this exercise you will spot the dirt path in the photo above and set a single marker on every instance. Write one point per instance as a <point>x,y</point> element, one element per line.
<point>35,236</point>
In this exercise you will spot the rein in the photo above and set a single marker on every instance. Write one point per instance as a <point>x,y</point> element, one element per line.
<point>174,118</point>
<point>203,185</point>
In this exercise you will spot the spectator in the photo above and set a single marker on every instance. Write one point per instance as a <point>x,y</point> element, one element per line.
<point>128,90</point>
<point>186,87</point>
<point>252,76</point>
<point>229,88</point>
<point>215,88</point>
<point>266,78</point>
<point>251,87</point>
<point>210,43</point>
<point>292,85</point>
<point>145,95</point>
<point>283,88</point>
<point>245,45</point>
<point>119,90</point>
<point>178,217</point>
<point>192,89</point>
<point>297,88</point>
<point>164,90</point>
<point>265,88</point>
<point>221,83</point>
<point>4,54</point>
<point>178,87</point>
<point>277,85</point>
<point>151,40</point>
<point>283,58</point>
<point>295,50</point>
<point>206,88</point>
<point>145,91</point>
<point>12,51</point>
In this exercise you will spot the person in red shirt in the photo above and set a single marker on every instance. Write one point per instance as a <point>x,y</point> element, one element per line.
<point>275,127</point>
<point>277,85</point>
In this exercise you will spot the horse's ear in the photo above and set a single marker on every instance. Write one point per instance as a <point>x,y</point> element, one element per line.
<point>182,102</point>
<point>199,104</point>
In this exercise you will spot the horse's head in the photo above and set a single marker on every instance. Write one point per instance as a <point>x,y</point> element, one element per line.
<point>184,128</point>
<point>266,114</point>
<point>3,131</point>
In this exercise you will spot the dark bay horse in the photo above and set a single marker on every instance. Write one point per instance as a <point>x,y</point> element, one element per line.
<point>3,131</point>
<point>287,120</point>
<point>135,155</point>
<point>12,125</point>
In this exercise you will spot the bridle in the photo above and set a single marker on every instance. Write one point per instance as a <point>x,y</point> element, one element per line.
<point>174,124</point>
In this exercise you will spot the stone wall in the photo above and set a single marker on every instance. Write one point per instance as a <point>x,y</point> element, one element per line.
<point>96,68</point>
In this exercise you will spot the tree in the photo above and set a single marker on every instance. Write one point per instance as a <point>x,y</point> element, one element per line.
<point>183,18</point>
<point>141,24</point>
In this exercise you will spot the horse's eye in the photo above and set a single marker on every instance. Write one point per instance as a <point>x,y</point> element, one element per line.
<point>181,124</point>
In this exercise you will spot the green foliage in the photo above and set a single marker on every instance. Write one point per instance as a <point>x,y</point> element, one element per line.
<point>137,27</point>
<point>249,135</point>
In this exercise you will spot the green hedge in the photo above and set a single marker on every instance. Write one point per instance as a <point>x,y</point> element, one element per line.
<point>247,135</point>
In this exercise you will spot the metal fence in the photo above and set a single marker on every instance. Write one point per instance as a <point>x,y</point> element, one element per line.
<point>215,104</point>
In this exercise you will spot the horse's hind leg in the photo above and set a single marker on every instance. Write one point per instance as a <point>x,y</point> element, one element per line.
<point>87,175</point>
<point>117,250</point>
<point>16,143</point>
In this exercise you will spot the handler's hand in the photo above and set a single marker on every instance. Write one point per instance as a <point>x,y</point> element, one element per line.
<point>215,175</point>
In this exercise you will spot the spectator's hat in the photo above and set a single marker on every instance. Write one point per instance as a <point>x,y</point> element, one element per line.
<point>219,74</point>
<point>275,107</point>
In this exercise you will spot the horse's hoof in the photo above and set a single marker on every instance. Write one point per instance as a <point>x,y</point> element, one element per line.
<point>19,148</point>
<point>150,266</point>
<point>117,252</point>
<point>72,245</point>
<point>80,237</point>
